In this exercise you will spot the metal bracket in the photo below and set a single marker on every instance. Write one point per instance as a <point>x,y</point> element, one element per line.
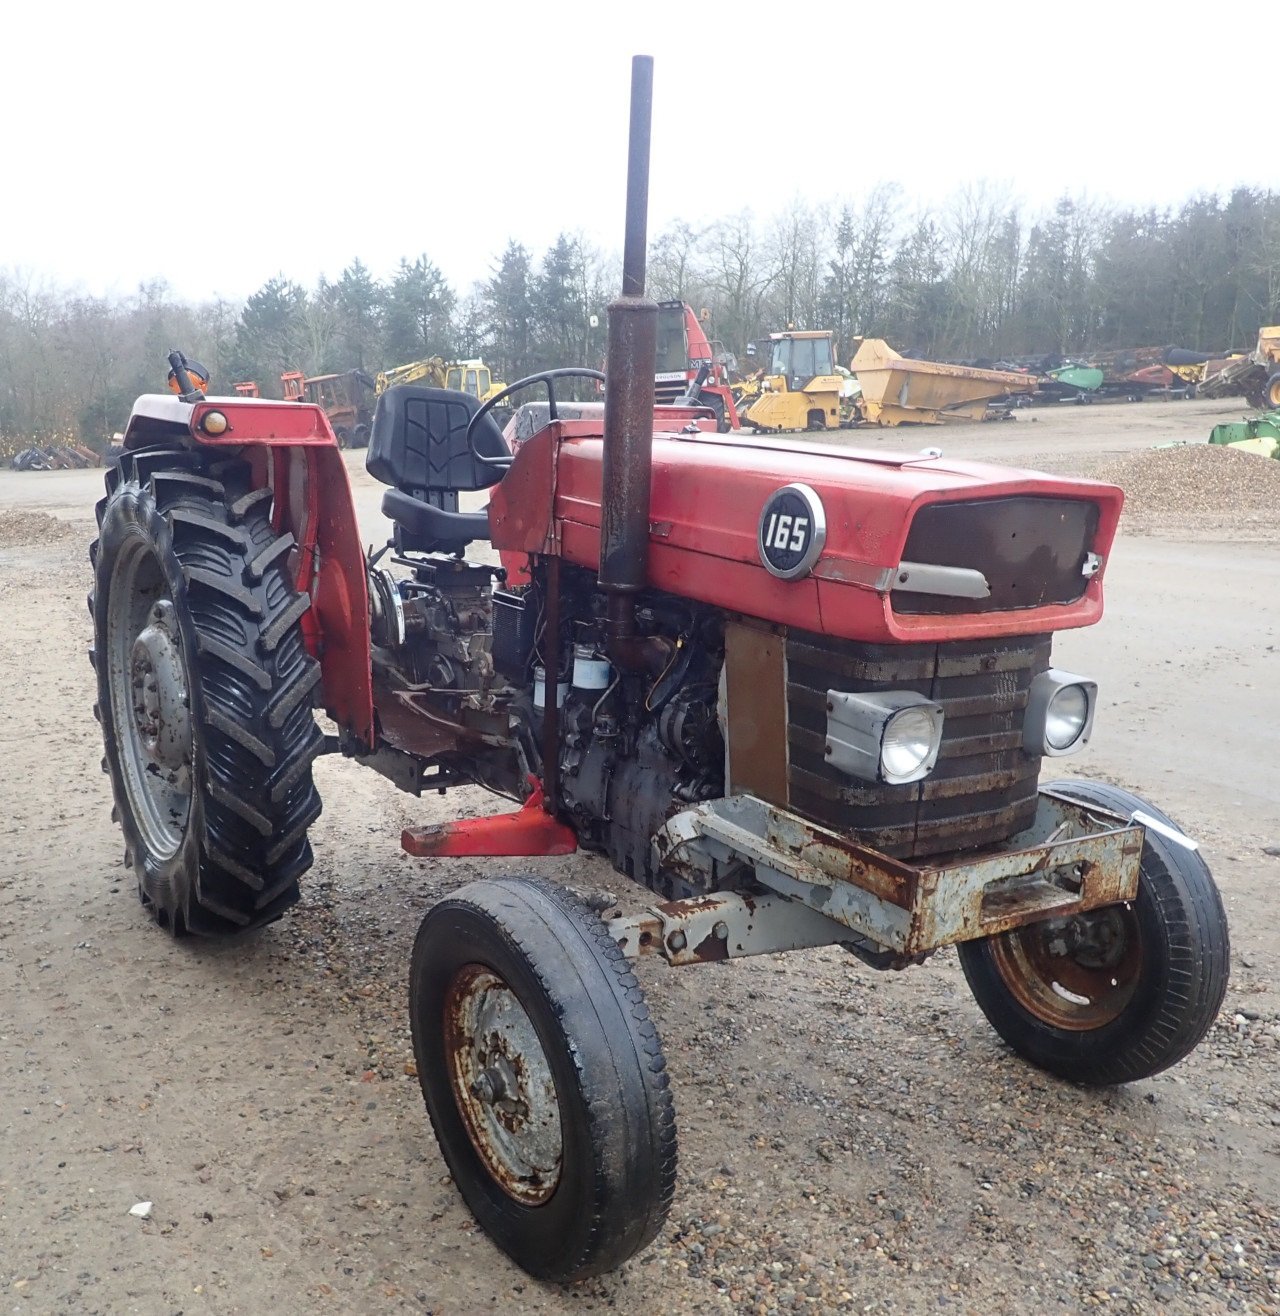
<point>722,926</point>
<point>530,830</point>
<point>1071,859</point>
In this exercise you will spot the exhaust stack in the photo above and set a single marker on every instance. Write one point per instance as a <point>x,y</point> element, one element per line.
<point>628,403</point>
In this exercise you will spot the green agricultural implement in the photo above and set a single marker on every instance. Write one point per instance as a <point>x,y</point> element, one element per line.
<point>1260,434</point>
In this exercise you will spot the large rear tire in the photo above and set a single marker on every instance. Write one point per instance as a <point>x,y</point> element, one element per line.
<point>1122,992</point>
<point>543,1075</point>
<point>204,691</point>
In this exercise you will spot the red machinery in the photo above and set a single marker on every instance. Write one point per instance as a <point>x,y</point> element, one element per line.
<point>686,360</point>
<point>802,694</point>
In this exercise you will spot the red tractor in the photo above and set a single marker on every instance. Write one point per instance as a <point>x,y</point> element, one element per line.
<point>803,694</point>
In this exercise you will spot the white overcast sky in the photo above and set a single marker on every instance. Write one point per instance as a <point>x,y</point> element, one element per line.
<point>214,145</point>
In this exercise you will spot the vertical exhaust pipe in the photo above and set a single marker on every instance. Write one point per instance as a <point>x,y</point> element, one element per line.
<point>628,403</point>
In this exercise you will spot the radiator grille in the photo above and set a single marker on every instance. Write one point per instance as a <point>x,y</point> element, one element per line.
<point>983,788</point>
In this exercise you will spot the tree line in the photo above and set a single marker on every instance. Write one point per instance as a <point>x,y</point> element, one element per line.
<point>973,279</point>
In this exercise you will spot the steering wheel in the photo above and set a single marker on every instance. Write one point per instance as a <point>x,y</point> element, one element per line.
<point>547,377</point>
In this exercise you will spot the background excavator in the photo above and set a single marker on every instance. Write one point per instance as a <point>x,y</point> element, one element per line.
<point>472,377</point>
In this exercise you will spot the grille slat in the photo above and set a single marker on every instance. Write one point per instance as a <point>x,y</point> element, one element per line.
<point>983,787</point>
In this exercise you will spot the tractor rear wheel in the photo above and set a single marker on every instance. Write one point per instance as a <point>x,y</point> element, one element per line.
<point>543,1075</point>
<point>204,691</point>
<point>1272,392</point>
<point>1123,991</point>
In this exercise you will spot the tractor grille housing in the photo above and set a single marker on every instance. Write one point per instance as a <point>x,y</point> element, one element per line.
<point>983,788</point>
<point>1031,549</point>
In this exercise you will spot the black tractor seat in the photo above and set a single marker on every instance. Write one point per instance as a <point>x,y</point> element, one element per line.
<point>432,529</point>
<point>419,447</point>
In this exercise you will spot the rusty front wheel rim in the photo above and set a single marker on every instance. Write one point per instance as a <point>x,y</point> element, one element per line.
<point>1076,974</point>
<point>502,1085</point>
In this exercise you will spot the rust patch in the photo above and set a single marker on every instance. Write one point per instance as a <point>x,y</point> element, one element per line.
<point>711,948</point>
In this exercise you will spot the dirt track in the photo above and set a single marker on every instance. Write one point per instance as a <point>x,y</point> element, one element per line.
<point>850,1141</point>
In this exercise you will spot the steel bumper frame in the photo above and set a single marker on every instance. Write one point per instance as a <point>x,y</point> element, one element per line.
<point>776,882</point>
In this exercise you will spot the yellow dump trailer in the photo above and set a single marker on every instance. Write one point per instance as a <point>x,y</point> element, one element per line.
<point>899,390</point>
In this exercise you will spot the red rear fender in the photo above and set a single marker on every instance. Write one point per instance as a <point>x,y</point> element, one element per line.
<point>292,450</point>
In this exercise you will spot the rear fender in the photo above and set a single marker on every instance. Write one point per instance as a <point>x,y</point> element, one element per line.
<point>293,451</point>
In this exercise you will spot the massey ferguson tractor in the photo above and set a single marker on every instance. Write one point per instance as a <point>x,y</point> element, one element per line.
<point>802,694</point>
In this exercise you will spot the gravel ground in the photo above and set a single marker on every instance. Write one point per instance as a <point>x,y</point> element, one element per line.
<point>850,1141</point>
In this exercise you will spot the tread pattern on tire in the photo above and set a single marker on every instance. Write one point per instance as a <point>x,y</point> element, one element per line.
<point>253,679</point>
<point>658,1082</point>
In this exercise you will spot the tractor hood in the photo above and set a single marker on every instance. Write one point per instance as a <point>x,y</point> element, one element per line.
<point>912,547</point>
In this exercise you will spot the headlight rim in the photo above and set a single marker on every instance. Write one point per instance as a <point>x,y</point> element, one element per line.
<point>1045,688</point>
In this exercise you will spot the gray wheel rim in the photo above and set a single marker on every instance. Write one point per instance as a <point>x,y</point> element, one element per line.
<point>503,1085</point>
<point>150,686</point>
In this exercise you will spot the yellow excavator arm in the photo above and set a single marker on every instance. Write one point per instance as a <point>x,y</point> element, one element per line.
<point>432,370</point>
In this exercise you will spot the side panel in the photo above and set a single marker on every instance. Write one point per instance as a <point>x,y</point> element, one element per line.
<point>755,668</point>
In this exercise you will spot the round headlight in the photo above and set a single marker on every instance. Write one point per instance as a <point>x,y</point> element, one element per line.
<point>908,742</point>
<point>214,422</point>
<point>1066,716</point>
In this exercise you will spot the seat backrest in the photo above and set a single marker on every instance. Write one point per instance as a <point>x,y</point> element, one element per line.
<point>419,441</point>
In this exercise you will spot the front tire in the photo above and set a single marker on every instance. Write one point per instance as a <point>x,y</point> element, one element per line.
<point>544,1077</point>
<point>204,691</point>
<point>1121,992</point>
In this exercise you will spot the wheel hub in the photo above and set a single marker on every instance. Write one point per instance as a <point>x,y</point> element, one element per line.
<point>1076,973</point>
<point>149,690</point>
<point>161,705</point>
<point>503,1085</point>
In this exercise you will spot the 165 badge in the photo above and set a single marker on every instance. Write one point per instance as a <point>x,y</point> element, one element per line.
<point>793,529</point>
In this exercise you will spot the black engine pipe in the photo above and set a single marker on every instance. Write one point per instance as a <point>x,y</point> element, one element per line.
<point>628,403</point>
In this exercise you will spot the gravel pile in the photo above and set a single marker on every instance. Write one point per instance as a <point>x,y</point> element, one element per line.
<point>1199,485</point>
<point>31,528</point>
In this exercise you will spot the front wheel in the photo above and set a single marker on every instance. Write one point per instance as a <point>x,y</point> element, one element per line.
<point>543,1075</point>
<point>1121,992</point>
